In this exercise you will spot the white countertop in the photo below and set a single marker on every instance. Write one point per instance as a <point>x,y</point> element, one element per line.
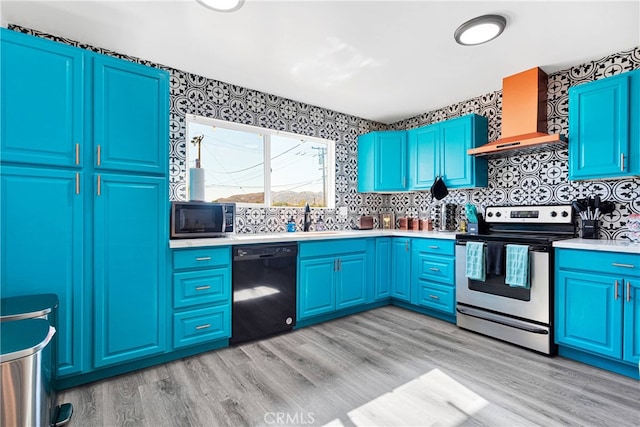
<point>244,239</point>
<point>599,245</point>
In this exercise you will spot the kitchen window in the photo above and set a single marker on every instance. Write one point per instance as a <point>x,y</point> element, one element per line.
<point>256,166</point>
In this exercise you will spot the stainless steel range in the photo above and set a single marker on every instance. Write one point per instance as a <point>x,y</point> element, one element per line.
<point>522,315</point>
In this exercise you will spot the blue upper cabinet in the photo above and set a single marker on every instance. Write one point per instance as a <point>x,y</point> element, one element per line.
<point>424,149</point>
<point>42,101</point>
<point>382,161</point>
<point>604,128</point>
<point>131,116</point>
<point>440,149</point>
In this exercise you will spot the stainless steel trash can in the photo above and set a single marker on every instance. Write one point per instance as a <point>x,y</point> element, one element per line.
<point>25,366</point>
<point>40,306</point>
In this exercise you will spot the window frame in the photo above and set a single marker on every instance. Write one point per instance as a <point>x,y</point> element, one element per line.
<point>266,134</point>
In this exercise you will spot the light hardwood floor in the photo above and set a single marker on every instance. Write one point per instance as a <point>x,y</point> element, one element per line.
<point>384,367</point>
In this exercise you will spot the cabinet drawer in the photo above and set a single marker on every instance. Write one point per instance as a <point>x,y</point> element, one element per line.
<point>599,261</point>
<point>202,257</point>
<point>331,247</point>
<point>436,268</point>
<point>436,296</point>
<point>201,287</point>
<point>202,325</point>
<point>435,246</point>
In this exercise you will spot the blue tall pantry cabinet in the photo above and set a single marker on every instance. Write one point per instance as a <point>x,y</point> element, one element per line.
<point>85,196</point>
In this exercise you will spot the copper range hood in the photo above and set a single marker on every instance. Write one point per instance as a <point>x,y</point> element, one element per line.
<point>524,118</point>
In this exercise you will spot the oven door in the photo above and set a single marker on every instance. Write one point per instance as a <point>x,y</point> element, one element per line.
<point>529,304</point>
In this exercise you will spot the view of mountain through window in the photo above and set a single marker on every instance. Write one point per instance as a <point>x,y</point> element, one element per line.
<point>245,164</point>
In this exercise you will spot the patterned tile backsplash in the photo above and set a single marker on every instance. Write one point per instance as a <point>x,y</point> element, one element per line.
<point>540,178</point>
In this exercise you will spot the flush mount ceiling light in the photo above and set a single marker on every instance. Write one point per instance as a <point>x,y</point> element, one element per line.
<point>222,5</point>
<point>480,30</point>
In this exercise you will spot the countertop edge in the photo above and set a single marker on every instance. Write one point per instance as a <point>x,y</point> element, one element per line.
<point>623,246</point>
<point>246,239</point>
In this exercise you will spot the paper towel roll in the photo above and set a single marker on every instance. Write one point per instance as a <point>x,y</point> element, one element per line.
<point>196,184</point>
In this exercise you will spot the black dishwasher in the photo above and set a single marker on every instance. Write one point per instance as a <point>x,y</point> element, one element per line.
<point>264,290</point>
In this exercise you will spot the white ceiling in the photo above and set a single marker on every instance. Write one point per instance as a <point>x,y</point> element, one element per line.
<point>379,60</point>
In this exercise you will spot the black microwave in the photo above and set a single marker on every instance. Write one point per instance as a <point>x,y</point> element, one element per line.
<point>191,220</point>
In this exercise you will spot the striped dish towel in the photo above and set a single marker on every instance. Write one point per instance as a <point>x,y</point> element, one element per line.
<point>517,274</point>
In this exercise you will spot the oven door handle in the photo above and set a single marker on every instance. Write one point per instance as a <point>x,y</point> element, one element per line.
<point>503,321</point>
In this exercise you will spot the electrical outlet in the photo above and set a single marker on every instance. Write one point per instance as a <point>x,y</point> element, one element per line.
<point>342,211</point>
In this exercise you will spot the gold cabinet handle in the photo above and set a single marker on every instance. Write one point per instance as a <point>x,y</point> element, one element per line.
<point>203,288</point>
<point>628,291</point>
<point>434,247</point>
<point>621,162</point>
<point>98,163</point>
<point>98,185</point>
<point>616,264</point>
<point>77,182</point>
<point>434,297</point>
<point>434,269</point>
<point>615,291</point>
<point>205,326</point>
<point>203,258</point>
<point>77,154</point>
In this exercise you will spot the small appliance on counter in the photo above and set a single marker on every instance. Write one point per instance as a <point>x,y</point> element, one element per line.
<point>366,222</point>
<point>387,221</point>
<point>201,219</point>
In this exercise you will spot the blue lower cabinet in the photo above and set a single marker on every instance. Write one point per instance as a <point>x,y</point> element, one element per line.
<point>589,316</point>
<point>201,325</point>
<point>130,280</point>
<point>316,287</point>
<point>351,284</point>
<point>382,287</point>
<point>597,310</point>
<point>433,275</point>
<point>401,268</point>
<point>436,296</point>
<point>201,295</point>
<point>333,275</point>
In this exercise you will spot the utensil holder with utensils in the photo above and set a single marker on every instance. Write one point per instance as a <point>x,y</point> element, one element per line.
<point>590,229</point>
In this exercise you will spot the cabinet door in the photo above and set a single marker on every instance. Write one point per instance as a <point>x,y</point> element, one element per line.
<point>400,269</point>
<point>631,344</point>
<point>42,248</point>
<point>130,244</point>
<point>383,268</point>
<point>351,280</point>
<point>423,156</point>
<point>391,161</point>
<point>131,116</point>
<point>599,128</point>
<point>316,287</point>
<point>42,101</point>
<point>366,162</point>
<point>589,312</point>
<point>456,139</point>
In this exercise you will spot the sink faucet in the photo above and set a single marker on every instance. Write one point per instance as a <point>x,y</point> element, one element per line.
<point>307,218</point>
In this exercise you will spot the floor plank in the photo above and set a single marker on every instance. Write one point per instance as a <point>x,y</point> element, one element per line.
<point>387,366</point>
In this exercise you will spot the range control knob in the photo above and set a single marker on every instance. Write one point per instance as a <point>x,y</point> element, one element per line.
<point>565,214</point>
<point>554,214</point>
<point>490,214</point>
<point>498,214</point>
